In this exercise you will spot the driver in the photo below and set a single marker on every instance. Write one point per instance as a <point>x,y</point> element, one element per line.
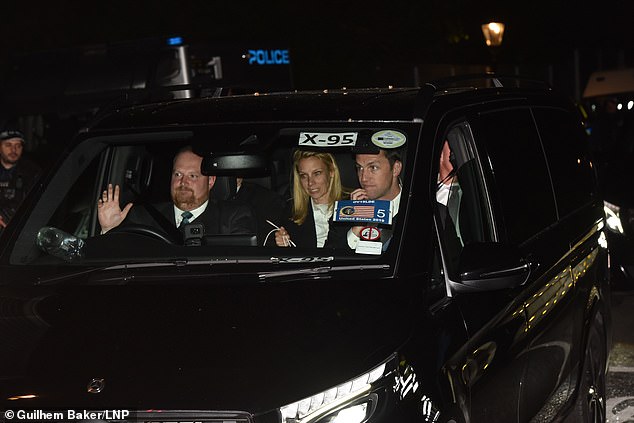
<point>190,203</point>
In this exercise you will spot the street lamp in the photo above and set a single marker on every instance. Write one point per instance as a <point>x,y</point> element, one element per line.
<point>493,33</point>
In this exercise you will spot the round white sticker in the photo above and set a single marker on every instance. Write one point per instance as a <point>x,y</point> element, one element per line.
<point>388,139</point>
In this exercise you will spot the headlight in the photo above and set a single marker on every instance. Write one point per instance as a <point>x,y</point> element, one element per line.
<point>350,402</point>
<point>612,218</point>
<point>357,400</point>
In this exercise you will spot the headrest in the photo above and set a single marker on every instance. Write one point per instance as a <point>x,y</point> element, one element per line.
<point>224,188</point>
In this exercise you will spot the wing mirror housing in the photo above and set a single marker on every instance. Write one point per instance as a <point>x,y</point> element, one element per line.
<point>60,244</point>
<point>490,266</point>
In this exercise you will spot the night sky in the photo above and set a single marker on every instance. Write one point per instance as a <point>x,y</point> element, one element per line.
<point>332,41</point>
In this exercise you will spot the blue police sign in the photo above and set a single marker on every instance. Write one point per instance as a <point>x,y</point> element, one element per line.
<point>269,57</point>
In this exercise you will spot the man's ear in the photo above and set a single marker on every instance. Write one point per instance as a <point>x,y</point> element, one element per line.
<point>396,169</point>
<point>212,181</point>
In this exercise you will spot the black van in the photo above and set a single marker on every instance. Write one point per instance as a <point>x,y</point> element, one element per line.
<point>488,304</point>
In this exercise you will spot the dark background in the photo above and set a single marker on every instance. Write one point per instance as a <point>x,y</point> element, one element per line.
<point>337,43</point>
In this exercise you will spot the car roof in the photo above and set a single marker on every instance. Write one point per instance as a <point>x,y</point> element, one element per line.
<point>376,104</point>
<point>370,104</point>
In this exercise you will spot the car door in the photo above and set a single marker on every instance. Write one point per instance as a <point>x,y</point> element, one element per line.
<point>580,211</point>
<point>491,364</point>
<point>526,217</point>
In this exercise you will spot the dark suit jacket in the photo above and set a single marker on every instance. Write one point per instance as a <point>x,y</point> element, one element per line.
<point>266,205</point>
<point>220,217</point>
<point>337,235</point>
<point>303,235</point>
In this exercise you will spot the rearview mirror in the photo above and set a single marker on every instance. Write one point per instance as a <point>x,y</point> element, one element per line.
<point>244,165</point>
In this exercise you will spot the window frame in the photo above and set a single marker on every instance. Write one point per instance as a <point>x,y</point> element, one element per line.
<point>472,151</point>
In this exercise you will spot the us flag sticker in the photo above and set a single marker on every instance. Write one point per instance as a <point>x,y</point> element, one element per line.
<point>373,211</point>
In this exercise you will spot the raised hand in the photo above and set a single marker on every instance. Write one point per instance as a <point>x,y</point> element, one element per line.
<point>109,212</point>
<point>359,194</point>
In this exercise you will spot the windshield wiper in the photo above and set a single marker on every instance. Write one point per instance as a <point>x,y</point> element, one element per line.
<point>186,262</point>
<point>70,275</point>
<point>140,265</point>
<point>319,271</point>
<point>262,276</point>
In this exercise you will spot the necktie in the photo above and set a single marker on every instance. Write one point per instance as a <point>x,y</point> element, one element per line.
<point>186,216</point>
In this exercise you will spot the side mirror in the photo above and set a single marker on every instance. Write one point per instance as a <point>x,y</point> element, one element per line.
<point>59,243</point>
<point>489,266</point>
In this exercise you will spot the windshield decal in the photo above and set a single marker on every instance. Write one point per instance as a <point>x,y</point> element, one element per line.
<point>373,211</point>
<point>370,233</point>
<point>369,247</point>
<point>328,139</point>
<point>388,139</point>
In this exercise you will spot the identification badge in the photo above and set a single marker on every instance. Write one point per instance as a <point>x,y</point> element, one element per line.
<point>327,139</point>
<point>368,211</point>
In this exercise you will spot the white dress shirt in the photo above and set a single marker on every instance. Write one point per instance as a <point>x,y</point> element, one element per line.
<point>178,218</point>
<point>321,213</point>
<point>450,195</point>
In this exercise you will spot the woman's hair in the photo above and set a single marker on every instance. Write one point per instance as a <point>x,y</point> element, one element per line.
<point>300,197</point>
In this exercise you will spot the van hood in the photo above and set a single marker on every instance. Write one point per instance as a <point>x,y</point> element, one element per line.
<point>250,347</point>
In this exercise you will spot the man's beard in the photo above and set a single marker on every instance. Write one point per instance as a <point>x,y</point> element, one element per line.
<point>10,160</point>
<point>184,199</point>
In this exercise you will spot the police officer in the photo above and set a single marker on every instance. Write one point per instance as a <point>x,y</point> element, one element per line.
<point>17,175</point>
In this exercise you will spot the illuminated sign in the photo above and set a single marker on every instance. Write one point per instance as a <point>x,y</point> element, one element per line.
<point>175,41</point>
<point>268,57</point>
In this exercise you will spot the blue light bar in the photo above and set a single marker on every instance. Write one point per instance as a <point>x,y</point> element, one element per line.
<point>175,41</point>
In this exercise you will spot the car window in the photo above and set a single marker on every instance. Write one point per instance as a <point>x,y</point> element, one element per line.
<point>74,213</point>
<point>519,172</point>
<point>463,211</point>
<point>260,197</point>
<point>566,147</point>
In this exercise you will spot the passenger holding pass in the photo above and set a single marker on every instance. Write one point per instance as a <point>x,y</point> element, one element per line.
<point>379,179</point>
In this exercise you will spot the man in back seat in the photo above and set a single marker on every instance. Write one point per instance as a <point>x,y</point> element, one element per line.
<point>266,204</point>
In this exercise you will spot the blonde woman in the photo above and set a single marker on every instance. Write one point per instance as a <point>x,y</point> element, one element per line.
<point>316,187</point>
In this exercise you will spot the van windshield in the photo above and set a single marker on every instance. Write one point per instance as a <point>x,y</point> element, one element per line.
<point>254,191</point>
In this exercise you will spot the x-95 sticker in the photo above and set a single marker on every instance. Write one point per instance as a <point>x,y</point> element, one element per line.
<point>327,139</point>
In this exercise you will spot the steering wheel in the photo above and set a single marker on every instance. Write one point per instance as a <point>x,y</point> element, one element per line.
<point>145,230</point>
